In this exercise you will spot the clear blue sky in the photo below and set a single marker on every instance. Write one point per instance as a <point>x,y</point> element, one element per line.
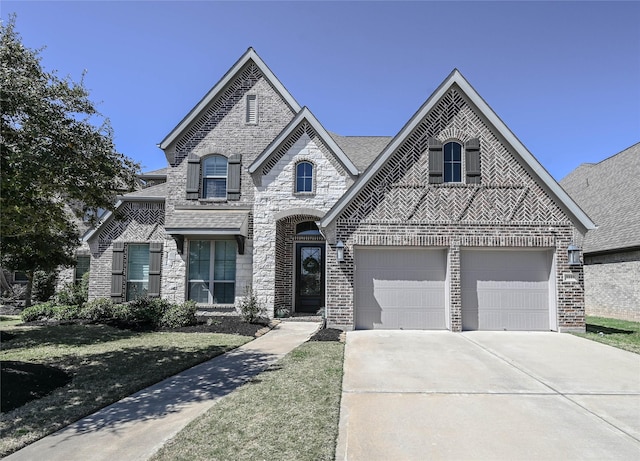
<point>563,76</point>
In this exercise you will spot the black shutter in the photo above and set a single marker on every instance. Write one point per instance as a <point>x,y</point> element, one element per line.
<point>117,272</point>
<point>436,161</point>
<point>155,268</point>
<point>233,181</point>
<point>193,177</point>
<point>472,160</point>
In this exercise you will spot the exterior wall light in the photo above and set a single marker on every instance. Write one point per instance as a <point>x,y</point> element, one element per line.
<point>574,255</point>
<point>340,251</point>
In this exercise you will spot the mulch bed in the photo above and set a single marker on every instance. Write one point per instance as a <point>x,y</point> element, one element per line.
<point>327,334</point>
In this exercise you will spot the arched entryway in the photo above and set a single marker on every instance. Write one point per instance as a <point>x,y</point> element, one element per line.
<point>300,265</point>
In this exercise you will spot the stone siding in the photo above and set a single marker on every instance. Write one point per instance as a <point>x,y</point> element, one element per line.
<point>276,195</point>
<point>612,285</point>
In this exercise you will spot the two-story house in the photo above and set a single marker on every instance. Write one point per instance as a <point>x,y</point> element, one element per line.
<point>451,224</point>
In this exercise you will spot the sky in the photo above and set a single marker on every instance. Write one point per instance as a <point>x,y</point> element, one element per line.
<point>563,76</point>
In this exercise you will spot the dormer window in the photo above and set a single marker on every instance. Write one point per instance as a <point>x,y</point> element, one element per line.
<point>214,177</point>
<point>304,177</point>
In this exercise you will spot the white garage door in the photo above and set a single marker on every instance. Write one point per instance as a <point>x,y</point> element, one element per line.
<point>505,289</point>
<point>400,288</point>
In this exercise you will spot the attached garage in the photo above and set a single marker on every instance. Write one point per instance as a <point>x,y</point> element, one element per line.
<point>509,289</point>
<point>400,288</point>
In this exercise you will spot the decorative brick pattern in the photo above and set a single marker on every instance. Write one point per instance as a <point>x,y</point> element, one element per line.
<point>398,207</point>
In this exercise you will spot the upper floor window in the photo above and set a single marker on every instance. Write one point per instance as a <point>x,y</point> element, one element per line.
<point>304,177</point>
<point>214,177</point>
<point>452,162</point>
<point>446,164</point>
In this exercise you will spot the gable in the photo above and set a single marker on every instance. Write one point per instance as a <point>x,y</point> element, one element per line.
<point>244,77</point>
<point>513,188</point>
<point>303,125</point>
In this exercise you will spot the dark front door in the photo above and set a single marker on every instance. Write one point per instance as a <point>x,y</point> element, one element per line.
<point>309,277</point>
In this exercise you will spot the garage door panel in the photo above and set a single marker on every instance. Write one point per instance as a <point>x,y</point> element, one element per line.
<point>400,288</point>
<point>505,289</point>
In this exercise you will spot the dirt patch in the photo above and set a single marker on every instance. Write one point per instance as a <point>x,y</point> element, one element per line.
<point>23,382</point>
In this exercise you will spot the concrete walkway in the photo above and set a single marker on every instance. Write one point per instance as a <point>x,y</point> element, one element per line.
<point>415,395</point>
<point>137,426</point>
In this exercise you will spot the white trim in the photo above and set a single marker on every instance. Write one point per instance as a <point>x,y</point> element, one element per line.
<point>456,78</point>
<point>250,54</point>
<point>304,114</point>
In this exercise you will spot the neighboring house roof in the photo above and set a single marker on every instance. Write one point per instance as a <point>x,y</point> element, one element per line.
<point>609,191</point>
<point>250,55</point>
<point>456,78</point>
<point>304,114</point>
<point>207,222</point>
<point>362,150</point>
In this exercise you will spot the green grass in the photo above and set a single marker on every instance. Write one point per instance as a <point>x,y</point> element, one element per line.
<point>106,364</point>
<point>289,412</point>
<point>9,320</point>
<point>618,333</point>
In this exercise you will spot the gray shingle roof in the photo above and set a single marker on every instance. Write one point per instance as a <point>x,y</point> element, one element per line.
<point>609,192</point>
<point>157,191</point>
<point>361,150</point>
<point>207,222</point>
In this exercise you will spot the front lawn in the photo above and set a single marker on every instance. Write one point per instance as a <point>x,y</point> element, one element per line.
<point>618,333</point>
<point>289,412</point>
<point>99,364</point>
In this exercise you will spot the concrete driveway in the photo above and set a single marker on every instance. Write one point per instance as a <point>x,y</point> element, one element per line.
<point>421,395</point>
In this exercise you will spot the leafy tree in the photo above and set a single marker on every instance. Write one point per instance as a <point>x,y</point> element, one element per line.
<point>56,150</point>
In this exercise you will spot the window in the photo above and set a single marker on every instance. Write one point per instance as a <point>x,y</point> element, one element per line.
<point>304,177</point>
<point>20,277</point>
<point>137,271</point>
<point>252,109</point>
<point>307,228</point>
<point>452,162</point>
<point>212,271</point>
<point>214,177</point>
<point>82,267</point>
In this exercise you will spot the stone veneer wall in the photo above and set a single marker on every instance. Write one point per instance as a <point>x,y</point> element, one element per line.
<point>275,196</point>
<point>612,285</point>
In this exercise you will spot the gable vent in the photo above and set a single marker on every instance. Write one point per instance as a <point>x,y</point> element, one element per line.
<point>252,109</point>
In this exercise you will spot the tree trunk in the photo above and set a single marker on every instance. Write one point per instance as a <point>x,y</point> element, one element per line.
<point>29,289</point>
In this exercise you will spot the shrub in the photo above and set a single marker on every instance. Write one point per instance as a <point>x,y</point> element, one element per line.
<point>146,310</point>
<point>74,293</point>
<point>179,315</point>
<point>66,312</point>
<point>44,285</point>
<point>42,311</point>
<point>98,309</point>
<point>251,310</point>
